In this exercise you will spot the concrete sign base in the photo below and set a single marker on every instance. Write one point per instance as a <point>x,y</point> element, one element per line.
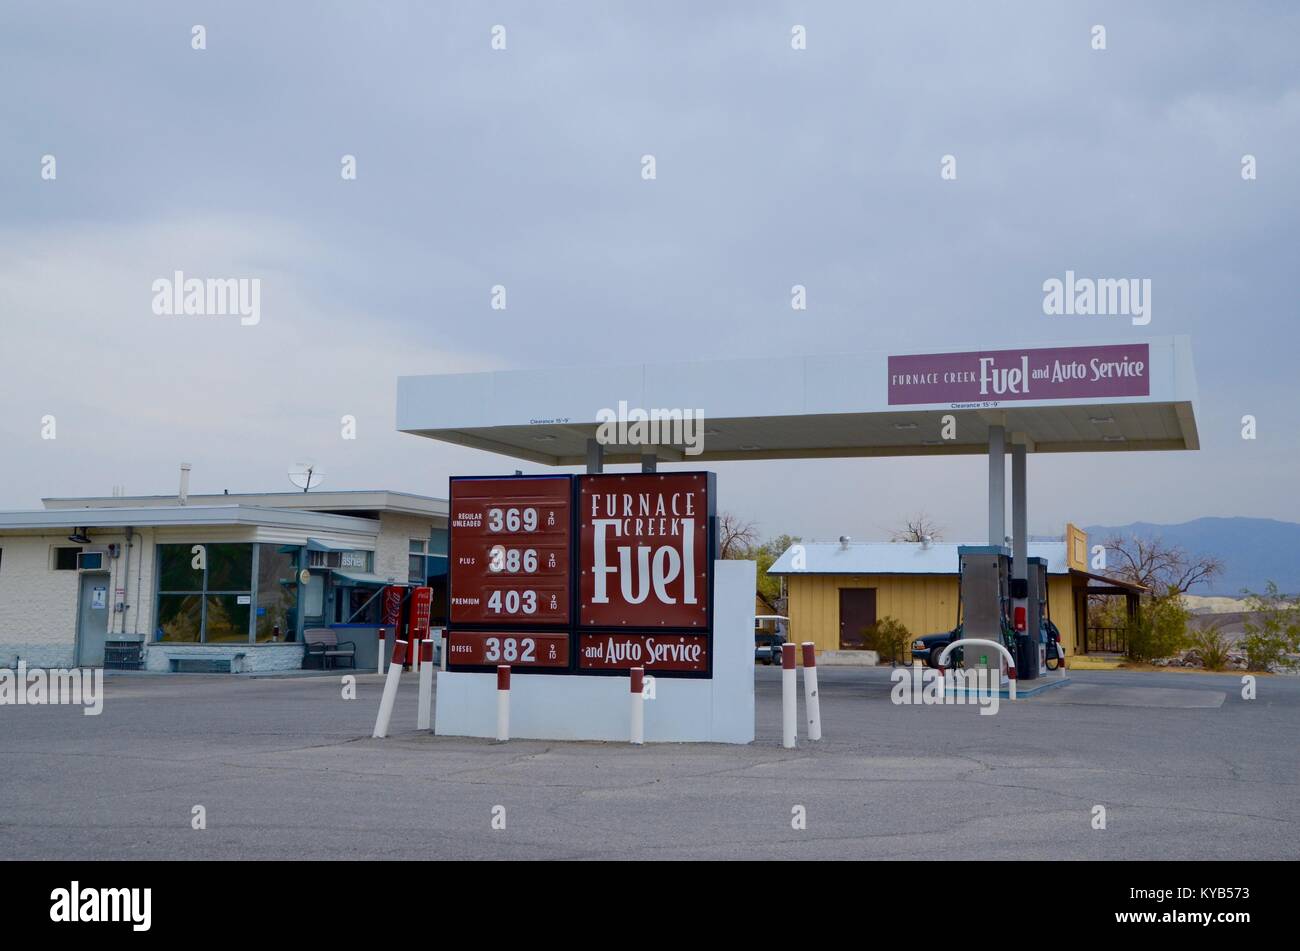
<point>576,707</point>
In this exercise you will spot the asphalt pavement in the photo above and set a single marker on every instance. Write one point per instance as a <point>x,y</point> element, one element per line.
<point>1184,766</point>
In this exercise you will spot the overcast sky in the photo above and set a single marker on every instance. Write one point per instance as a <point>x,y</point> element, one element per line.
<point>522,167</point>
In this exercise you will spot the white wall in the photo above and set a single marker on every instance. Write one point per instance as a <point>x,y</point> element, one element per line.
<point>578,707</point>
<point>38,605</point>
<point>392,547</point>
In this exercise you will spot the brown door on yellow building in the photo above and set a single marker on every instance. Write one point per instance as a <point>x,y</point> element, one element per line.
<point>857,614</point>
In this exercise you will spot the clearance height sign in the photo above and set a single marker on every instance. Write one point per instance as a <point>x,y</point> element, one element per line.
<point>591,574</point>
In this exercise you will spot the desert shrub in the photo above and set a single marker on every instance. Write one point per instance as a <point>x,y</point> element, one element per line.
<point>1275,629</point>
<point>1213,646</point>
<point>892,639</point>
<point>1160,628</point>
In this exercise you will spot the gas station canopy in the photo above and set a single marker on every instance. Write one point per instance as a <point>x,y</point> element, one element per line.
<point>1051,398</point>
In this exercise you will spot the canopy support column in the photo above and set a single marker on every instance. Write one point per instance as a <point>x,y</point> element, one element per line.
<point>1028,665</point>
<point>997,485</point>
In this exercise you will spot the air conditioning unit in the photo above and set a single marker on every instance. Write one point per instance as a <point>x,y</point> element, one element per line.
<point>90,560</point>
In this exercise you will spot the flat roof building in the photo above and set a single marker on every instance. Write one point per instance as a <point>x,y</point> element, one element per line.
<point>222,582</point>
<point>836,592</point>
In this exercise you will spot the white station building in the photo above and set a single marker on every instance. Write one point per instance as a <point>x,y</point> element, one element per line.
<point>85,580</point>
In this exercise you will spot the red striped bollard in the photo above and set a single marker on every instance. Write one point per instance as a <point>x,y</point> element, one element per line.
<point>425,707</point>
<point>638,705</point>
<point>789,703</point>
<point>812,703</point>
<point>390,690</point>
<point>503,703</point>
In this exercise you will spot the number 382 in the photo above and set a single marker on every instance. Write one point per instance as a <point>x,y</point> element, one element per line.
<point>510,650</point>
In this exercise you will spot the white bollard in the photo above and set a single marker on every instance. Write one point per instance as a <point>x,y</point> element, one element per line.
<point>789,703</point>
<point>390,690</point>
<point>503,703</point>
<point>812,703</point>
<point>381,650</point>
<point>638,705</point>
<point>426,684</point>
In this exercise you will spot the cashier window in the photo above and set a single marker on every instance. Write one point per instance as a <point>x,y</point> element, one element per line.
<point>356,605</point>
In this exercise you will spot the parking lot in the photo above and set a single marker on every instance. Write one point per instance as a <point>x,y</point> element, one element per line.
<point>285,768</point>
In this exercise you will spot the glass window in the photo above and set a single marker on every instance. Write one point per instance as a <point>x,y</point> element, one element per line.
<point>65,559</point>
<point>226,618</point>
<point>230,567</point>
<point>180,617</point>
<point>415,568</point>
<point>176,571</point>
<point>314,598</point>
<point>363,605</point>
<point>205,605</point>
<point>277,592</point>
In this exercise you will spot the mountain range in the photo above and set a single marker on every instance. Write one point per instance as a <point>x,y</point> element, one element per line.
<point>1253,551</point>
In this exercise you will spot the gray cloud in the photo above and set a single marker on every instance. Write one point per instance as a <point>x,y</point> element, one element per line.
<point>522,168</point>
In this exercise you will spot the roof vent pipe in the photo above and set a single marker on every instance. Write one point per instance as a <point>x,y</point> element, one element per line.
<point>185,483</point>
<point>844,542</point>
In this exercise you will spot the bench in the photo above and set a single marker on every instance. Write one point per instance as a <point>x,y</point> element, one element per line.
<point>323,648</point>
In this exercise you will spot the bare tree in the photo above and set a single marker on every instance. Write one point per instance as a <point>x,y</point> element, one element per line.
<point>918,528</point>
<point>736,536</point>
<point>1158,566</point>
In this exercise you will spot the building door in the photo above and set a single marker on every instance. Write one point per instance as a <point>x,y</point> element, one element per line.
<point>92,620</point>
<point>857,614</point>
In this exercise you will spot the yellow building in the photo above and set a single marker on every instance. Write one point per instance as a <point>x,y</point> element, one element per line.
<point>837,591</point>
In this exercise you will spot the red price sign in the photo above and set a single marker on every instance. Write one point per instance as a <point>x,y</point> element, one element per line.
<point>510,550</point>
<point>643,550</point>
<point>516,648</point>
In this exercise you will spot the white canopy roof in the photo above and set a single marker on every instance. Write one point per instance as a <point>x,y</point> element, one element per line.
<point>819,406</point>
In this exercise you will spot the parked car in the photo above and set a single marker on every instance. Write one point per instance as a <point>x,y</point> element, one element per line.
<point>770,632</point>
<point>927,649</point>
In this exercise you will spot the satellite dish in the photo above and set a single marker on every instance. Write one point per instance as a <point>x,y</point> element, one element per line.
<point>305,475</point>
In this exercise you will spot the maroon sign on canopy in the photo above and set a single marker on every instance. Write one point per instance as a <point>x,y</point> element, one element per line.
<point>992,376</point>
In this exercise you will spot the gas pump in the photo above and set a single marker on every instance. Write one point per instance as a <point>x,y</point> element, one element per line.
<point>1051,653</point>
<point>985,604</point>
<point>1037,614</point>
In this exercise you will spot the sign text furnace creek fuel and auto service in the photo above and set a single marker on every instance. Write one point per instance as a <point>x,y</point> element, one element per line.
<point>583,574</point>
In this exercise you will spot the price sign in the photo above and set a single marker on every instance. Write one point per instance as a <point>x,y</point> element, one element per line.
<point>516,648</point>
<point>510,550</point>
